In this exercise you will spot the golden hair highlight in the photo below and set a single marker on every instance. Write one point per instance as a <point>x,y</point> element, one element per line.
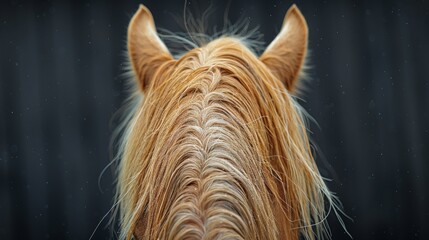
<point>218,149</point>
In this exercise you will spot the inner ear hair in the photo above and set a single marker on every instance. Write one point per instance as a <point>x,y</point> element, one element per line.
<point>146,50</point>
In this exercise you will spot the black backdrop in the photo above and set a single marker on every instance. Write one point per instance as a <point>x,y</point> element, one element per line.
<point>61,66</point>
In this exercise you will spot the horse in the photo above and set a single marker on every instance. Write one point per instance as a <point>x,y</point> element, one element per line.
<point>218,146</point>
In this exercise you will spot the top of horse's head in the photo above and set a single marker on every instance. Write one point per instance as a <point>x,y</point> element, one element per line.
<point>284,57</point>
<point>218,148</point>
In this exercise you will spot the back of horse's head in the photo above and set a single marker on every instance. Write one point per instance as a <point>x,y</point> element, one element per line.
<point>218,147</point>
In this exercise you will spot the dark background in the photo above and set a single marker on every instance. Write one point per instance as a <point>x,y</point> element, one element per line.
<point>61,81</point>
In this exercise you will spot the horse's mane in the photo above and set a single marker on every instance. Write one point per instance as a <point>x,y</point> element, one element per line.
<point>218,148</point>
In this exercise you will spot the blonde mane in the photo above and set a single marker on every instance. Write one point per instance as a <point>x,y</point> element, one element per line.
<point>217,149</point>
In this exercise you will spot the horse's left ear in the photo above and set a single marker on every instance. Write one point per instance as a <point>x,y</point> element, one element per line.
<point>145,49</point>
<point>286,54</point>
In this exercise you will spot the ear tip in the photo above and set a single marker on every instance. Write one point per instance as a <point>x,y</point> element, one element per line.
<point>142,7</point>
<point>141,16</point>
<point>293,11</point>
<point>143,10</point>
<point>294,15</point>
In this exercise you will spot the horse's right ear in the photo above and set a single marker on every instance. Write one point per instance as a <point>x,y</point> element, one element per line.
<point>145,49</point>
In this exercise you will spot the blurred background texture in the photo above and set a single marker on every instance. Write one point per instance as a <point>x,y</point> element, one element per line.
<point>62,80</point>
